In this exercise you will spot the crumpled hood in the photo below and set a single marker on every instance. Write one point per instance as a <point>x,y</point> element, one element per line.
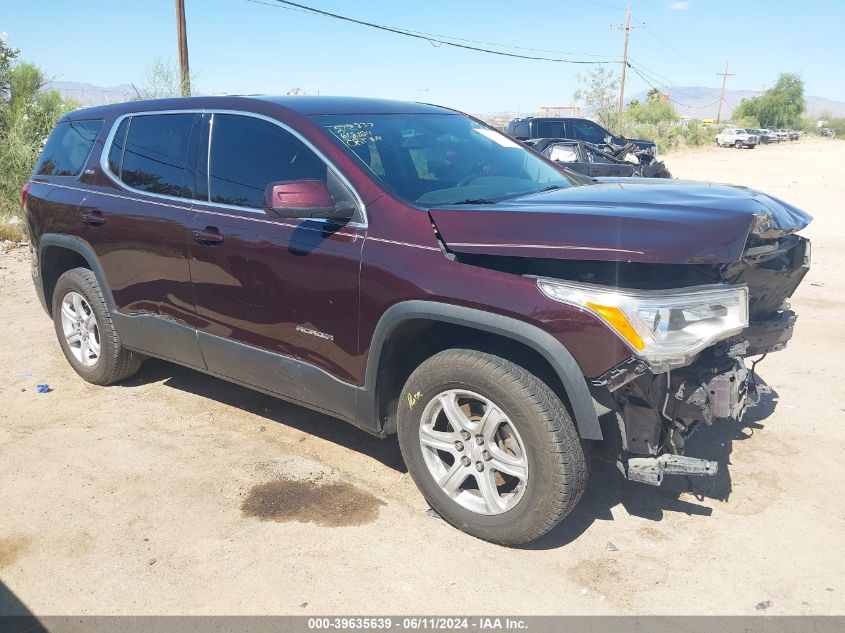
<point>630,219</point>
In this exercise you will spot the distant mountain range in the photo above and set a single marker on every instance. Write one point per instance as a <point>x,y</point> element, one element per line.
<point>91,95</point>
<point>692,101</point>
<point>701,103</point>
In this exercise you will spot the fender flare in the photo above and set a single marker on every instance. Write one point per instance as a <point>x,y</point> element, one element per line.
<point>85,250</point>
<point>560,358</point>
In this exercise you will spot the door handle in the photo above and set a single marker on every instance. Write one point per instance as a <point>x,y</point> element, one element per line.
<point>93,218</point>
<point>209,236</point>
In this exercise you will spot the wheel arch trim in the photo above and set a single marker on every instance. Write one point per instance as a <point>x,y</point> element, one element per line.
<point>82,248</point>
<point>552,350</point>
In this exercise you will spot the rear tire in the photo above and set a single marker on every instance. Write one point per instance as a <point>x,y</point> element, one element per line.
<point>464,415</point>
<point>86,333</point>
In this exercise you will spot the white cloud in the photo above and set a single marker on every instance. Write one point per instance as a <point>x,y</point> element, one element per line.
<point>679,6</point>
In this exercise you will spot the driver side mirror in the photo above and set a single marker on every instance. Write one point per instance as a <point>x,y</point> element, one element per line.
<point>304,199</point>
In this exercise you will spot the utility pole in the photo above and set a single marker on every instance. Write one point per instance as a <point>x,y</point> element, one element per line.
<point>627,28</point>
<point>182,36</point>
<point>725,76</point>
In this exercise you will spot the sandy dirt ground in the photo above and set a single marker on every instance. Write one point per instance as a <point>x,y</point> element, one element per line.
<point>177,493</point>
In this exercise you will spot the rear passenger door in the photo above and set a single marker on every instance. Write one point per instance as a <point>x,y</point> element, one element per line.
<point>135,218</point>
<point>276,298</point>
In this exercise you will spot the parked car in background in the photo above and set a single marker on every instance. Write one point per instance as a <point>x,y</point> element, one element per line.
<point>737,137</point>
<point>793,135</point>
<point>828,132</point>
<point>765,136</point>
<point>413,271</point>
<point>573,128</point>
<point>781,134</point>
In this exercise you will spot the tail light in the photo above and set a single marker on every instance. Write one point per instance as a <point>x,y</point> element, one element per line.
<point>24,194</point>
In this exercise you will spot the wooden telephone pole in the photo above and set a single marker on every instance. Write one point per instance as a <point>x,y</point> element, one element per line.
<point>725,76</point>
<point>182,36</point>
<point>627,28</point>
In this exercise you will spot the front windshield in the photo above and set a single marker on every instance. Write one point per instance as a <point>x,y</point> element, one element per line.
<point>441,159</point>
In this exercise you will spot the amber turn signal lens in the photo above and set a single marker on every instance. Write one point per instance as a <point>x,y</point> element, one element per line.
<point>617,319</point>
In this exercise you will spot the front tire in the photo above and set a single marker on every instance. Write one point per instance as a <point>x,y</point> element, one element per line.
<point>490,446</point>
<point>86,333</point>
<point>738,144</point>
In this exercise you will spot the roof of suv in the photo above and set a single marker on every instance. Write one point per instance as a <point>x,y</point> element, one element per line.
<point>303,105</point>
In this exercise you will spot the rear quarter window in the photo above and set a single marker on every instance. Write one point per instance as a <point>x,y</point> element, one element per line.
<point>68,148</point>
<point>155,153</point>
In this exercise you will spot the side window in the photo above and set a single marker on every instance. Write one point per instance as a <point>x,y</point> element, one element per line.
<point>248,153</point>
<point>156,152</point>
<point>551,129</point>
<point>67,148</point>
<point>116,150</point>
<point>588,131</point>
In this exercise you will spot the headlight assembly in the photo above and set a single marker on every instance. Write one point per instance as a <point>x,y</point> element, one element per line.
<point>666,328</point>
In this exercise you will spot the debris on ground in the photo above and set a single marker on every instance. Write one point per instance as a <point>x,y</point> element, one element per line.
<point>151,561</point>
<point>766,604</point>
<point>611,547</point>
<point>431,513</point>
<point>43,388</point>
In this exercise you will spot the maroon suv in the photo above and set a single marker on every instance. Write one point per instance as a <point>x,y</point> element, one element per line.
<point>413,271</point>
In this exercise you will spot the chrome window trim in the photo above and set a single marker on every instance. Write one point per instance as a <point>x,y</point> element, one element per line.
<point>110,138</point>
<point>255,217</point>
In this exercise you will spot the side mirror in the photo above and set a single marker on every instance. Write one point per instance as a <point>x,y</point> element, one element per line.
<point>304,199</point>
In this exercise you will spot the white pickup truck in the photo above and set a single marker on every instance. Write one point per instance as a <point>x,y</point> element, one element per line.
<point>737,137</point>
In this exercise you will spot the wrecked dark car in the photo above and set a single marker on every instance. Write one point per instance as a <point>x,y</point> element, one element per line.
<point>574,128</point>
<point>598,161</point>
<point>412,271</point>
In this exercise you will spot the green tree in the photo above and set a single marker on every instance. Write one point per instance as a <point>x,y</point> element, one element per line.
<point>28,113</point>
<point>654,110</point>
<point>780,106</point>
<point>599,93</point>
<point>8,54</point>
<point>161,81</point>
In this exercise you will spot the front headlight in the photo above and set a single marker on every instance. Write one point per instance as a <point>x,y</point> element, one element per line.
<point>664,327</point>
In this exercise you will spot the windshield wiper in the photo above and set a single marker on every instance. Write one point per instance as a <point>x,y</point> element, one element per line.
<point>550,188</point>
<point>475,201</point>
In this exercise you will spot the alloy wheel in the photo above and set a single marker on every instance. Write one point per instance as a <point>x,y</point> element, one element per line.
<point>80,328</point>
<point>474,452</point>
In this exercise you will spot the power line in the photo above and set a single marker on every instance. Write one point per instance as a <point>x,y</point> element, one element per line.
<point>659,39</point>
<point>656,87</point>
<point>431,38</point>
<point>655,78</point>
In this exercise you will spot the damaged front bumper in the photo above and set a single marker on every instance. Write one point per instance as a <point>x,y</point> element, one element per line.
<point>649,416</point>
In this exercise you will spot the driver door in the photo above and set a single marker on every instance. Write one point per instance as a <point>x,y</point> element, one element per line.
<point>276,298</point>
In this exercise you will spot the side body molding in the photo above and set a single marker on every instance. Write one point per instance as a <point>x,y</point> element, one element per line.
<point>545,344</point>
<point>165,339</point>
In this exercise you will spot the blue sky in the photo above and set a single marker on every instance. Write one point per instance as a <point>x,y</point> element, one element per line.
<point>240,46</point>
